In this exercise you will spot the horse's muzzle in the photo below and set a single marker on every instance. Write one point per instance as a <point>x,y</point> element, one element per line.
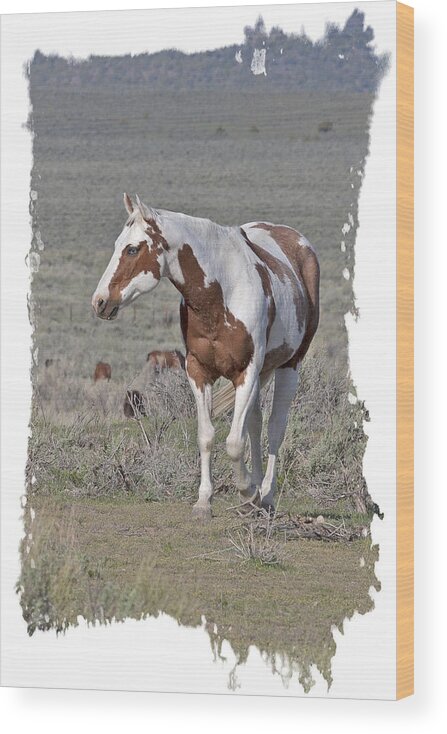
<point>105,309</point>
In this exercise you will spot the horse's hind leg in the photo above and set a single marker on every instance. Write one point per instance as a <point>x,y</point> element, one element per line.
<point>285,388</point>
<point>254,424</point>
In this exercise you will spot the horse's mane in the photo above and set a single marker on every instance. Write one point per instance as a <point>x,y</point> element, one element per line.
<point>200,226</point>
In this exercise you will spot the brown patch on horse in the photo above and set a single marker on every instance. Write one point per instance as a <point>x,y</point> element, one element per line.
<point>217,343</point>
<point>283,272</point>
<point>146,261</point>
<point>154,232</point>
<point>172,360</point>
<point>305,264</point>
<point>277,357</point>
<point>103,371</point>
<point>129,266</point>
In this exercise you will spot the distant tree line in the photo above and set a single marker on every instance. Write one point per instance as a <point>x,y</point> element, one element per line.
<point>344,59</point>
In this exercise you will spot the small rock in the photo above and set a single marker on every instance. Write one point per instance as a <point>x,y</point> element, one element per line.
<point>319,519</point>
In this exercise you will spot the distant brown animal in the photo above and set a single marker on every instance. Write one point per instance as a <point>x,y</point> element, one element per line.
<point>103,371</point>
<point>134,404</point>
<point>160,361</point>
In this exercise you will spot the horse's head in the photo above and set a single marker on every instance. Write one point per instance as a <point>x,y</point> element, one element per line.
<point>137,263</point>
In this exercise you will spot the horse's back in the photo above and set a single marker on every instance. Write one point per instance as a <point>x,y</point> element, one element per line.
<point>285,242</point>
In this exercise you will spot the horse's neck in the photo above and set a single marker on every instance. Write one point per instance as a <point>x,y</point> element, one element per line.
<point>198,250</point>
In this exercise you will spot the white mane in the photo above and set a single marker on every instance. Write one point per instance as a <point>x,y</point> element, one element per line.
<point>199,227</point>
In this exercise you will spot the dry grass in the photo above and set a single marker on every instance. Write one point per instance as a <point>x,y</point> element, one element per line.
<point>249,546</point>
<point>290,526</point>
<point>82,444</point>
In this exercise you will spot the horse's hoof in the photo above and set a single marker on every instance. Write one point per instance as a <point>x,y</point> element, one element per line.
<point>268,508</point>
<point>202,513</point>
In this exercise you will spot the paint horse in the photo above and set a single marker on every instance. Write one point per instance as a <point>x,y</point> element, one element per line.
<point>249,310</point>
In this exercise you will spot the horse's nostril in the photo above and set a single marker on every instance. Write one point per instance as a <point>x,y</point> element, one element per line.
<point>100,305</point>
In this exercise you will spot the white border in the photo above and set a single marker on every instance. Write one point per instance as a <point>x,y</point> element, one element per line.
<point>370,671</point>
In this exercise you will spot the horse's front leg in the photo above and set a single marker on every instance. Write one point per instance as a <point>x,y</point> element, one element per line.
<point>246,399</point>
<point>205,436</point>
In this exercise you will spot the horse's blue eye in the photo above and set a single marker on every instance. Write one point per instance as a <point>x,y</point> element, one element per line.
<point>132,250</point>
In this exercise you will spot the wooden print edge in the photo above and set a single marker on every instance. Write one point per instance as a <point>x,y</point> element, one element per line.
<point>405,353</point>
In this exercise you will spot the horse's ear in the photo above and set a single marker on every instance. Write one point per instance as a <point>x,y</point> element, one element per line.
<point>128,203</point>
<point>144,210</point>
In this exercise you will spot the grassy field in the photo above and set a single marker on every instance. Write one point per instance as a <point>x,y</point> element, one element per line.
<point>232,157</point>
<point>108,529</point>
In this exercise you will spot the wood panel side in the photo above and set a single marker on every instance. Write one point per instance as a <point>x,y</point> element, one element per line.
<point>405,351</point>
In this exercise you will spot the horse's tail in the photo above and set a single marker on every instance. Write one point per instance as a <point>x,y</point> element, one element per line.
<point>223,399</point>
